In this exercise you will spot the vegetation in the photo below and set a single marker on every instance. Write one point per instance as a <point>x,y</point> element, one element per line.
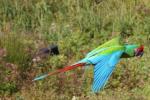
<point>76,26</point>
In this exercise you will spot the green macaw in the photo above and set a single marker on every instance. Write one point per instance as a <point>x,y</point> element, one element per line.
<point>104,58</point>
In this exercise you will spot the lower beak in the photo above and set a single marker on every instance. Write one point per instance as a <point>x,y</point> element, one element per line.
<point>141,54</point>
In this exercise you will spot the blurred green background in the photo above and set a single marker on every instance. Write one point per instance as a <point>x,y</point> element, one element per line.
<point>76,26</point>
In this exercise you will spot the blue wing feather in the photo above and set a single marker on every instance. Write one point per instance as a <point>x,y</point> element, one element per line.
<point>40,77</point>
<point>104,69</point>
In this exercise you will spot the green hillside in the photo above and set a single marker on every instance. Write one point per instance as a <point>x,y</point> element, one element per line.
<point>77,27</point>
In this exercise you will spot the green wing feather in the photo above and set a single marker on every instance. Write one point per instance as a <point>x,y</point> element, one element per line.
<point>116,42</point>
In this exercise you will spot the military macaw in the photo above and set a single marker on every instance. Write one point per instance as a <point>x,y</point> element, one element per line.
<point>104,58</point>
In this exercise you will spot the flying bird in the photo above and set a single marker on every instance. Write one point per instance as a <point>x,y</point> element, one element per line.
<point>104,58</point>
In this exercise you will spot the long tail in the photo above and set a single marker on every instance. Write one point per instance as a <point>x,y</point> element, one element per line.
<point>67,68</point>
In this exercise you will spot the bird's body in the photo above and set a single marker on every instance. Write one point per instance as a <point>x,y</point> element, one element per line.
<point>104,58</point>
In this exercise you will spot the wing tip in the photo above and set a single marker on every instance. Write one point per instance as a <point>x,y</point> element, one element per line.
<point>39,78</point>
<point>97,89</point>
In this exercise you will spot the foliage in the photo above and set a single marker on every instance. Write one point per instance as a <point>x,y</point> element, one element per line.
<point>76,26</point>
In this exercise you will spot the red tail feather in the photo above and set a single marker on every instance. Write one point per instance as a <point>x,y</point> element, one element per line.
<point>67,68</point>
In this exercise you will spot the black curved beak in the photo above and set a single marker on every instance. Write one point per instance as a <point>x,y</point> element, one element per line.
<point>139,54</point>
<point>139,51</point>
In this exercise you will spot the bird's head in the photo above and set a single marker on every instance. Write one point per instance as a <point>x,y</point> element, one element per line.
<point>139,51</point>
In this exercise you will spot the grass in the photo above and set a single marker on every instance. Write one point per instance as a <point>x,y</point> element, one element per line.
<point>75,26</point>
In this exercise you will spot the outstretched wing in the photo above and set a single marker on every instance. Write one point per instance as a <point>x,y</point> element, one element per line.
<point>104,68</point>
<point>114,42</point>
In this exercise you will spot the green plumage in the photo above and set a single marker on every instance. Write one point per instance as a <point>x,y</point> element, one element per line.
<point>113,45</point>
<point>129,50</point>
